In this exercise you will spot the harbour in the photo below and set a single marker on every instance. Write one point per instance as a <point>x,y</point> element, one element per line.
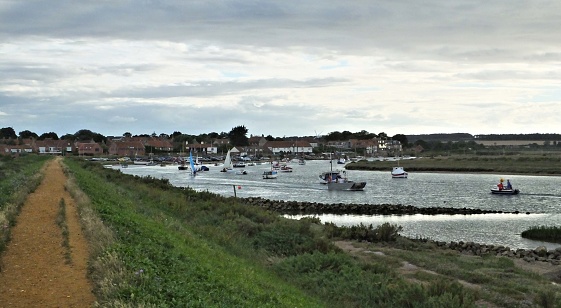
<point>539,202</point>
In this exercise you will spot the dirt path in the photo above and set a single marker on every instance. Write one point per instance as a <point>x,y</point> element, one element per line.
<point>34,269</point>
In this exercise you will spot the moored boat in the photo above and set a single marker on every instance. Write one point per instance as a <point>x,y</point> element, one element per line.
<point>269,174</point>
<point>399,173</point>
<point>239,164</point>
<point>285,168</point>
<point>338,180</point>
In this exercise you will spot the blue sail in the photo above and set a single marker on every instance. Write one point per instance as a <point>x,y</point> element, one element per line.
<point>193,170</point>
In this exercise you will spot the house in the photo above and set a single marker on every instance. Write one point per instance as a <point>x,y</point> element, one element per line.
<point>202,148</point>
<point>53,147</point>
<point>370,146</point>
<point>126,147</point>
<point>90,148</point>
<point>256,141</point>
<point>288,147</point>
<point>159,144</point>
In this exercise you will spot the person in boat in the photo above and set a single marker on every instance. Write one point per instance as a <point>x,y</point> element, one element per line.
<point>500,185</point>
<point>508,184</point>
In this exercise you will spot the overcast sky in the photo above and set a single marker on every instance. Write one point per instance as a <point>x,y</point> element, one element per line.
<point>281,68</point>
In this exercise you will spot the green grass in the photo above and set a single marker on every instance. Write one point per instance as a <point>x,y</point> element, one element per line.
<point>18,178</point>
<point>175,245</point>
<point>61,223</point>
<point>543,233</point>
<point>169,247</point>
<point>500,281</point>
<point>517,164</point>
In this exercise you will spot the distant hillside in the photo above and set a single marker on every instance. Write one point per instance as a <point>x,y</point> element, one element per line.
<point>440,137</point>
<point>544,137</point>
<point>479,138</point>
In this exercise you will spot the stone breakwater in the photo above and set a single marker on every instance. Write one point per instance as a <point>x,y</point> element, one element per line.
<point>299,207</point>
<point>540,254</point>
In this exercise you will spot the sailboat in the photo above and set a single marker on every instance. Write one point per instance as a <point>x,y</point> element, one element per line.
<point>228,166</point>
<point>192,164</point>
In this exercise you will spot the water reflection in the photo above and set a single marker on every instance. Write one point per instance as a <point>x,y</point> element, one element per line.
<point>495,229</point>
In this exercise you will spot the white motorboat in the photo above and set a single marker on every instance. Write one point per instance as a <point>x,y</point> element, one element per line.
<point>399,173</point>
<point>269,174</point>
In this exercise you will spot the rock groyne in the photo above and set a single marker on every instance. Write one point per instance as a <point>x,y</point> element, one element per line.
<point>299,207</point>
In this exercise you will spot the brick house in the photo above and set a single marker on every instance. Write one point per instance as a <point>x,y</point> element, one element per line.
<point>90,148</point>
<point>126,147</point>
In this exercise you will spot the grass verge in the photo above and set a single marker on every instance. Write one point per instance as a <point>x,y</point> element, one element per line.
<point>18,178</point>
<point>166,246</point>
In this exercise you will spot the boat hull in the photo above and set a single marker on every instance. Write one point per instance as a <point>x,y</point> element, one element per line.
<point>351,186</point>
<point>399,173</point>
<point>496,191</point>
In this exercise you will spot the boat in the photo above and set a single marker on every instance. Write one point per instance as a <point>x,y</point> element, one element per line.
<point>239,164</point>
<point>338,180</point>
<point>500,189</point>
<point>241,172</point>
<point>192,164</point>
<point>301,162</point>
<point>269,174</point>
<point>496,191</point>
<point>285,168</point>
<point>399,173</point>
<point>341,161</point>
<point>227,163</point>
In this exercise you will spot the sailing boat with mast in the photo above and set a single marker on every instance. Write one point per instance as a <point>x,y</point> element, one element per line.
<point>192,164</point>
<point>228,166</point>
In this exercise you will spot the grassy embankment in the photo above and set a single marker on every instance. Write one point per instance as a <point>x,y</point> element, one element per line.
<point>143,259</point>
<point>18,178</point>
<point>177,246</point>
<point>154,244</point>
<point>513,164</point>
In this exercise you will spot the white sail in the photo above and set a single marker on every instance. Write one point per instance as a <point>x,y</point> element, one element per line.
<point>228,162</point>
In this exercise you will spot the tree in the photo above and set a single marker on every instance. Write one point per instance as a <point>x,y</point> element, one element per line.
<point>69,137</point>
<point>238,136</point>
<point>26,134</point>
<point>49,135</point>
<point>87,135</point>
<point>127,135</point>
<point>8,133</point>
<point>401,138</point>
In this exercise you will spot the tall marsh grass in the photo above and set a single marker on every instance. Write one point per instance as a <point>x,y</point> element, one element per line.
<point>543,233</point>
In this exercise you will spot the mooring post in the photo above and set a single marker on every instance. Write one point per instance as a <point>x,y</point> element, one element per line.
<point>234,186</point>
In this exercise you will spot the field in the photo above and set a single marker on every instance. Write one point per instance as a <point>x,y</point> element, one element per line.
<point>152,244</point>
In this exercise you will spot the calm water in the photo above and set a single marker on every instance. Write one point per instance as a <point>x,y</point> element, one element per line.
<point>541,196</point>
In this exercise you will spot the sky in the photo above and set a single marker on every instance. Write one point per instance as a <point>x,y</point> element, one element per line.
<point>281,68</point>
